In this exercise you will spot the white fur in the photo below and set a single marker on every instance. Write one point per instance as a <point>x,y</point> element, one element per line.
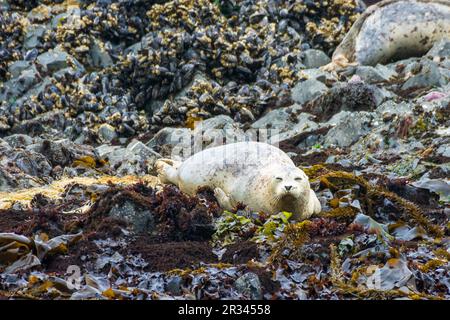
<point>253,173</point>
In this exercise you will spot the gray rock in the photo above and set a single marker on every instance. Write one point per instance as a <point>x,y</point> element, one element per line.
<point>313,58</point>
<point>391,276</point>
<point>374,74</point>
<point>249,285</point>
<point>104,150</point>
<point>56,59</point>
<point>143,156</point>
<point>381,94</point>
<point>135,159</point>
<point>320,75</point>
<point>61,152</point>
<point>310,141</point>
<point>170,136</point>
<point>135,48</point>
<point>440,49</point>
<point>72,17</point>
<point>4,5</point>
<point>351,127</point>
<point>281,119</point>
<point>4,146</point>
<point>133,166</point>
<point>107,133</point>
<point>52,123</point>
<point>99,57</point>
<point>444,150</point>
<point>304,124</point>
<point>307,90</point>
<point>141,221</point>
<point>32,163</point>
<point>136,147</point>
<point>405,233</point>
<point>33,36</point>
<point>445,74</point>
<point>428,76</point>
<point>218,130</point>
<point>17,86</point>
<point>413,67</point>
<point>4,185</point>
<point>405,62</point>
<point>338,117</point>
<point>18,140</point>
<point>17,67</point>
<point>345,96</point>
<point>39,14</point>
<point>211,132</point>
<point>32,90</point>
<point>115,154</point>
<point>445,64</point>
<point>391,108</point>
<point>217,122</point>
<point>12,180</point>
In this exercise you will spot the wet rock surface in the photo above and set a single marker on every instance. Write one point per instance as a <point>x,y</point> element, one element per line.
<point>93,92</point>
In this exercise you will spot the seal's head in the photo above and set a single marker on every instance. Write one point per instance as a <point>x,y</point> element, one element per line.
<point>289,182</point>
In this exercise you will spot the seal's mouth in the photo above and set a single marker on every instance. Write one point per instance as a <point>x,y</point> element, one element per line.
<point>288,202</point>
<point>288,196</point>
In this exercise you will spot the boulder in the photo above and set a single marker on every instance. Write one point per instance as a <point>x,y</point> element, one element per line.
<point>440,49</point>
<point>307,90</point>
<point>350,128</point>
<point>428,76</point>
<point>376,74</point>
<point>313,58</point>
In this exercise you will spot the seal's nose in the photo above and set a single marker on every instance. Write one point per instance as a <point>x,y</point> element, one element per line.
<point>288,187</point>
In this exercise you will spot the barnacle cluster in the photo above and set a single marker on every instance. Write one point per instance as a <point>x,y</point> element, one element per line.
<point>249,56</point>
<point>11,35</point>
<point>131,64</point>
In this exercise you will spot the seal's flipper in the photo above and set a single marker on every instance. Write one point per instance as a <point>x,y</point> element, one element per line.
<point>317,207</point>
<point>313,206</point>
<point>167,170</point>
<point>225,201</point>
<point>338,63</point>
<point>170,162</point>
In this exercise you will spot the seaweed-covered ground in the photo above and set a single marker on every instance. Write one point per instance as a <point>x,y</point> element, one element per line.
<point>93,92</point>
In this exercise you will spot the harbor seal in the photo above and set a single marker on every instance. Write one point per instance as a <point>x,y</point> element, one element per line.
<point>391,30</point>
<point>256,174</point>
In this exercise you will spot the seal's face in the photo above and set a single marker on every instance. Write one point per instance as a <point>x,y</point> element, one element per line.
<point>290,184</point>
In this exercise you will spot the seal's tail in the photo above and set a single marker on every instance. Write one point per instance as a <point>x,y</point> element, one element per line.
<point>167,170</point>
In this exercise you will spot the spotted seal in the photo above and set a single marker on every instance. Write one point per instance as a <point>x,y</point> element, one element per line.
<point>256,174</point>
<point>392,30</point>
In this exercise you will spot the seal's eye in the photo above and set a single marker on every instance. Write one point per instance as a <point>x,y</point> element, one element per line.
<point>279,178</point>
<point>298,179</point>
